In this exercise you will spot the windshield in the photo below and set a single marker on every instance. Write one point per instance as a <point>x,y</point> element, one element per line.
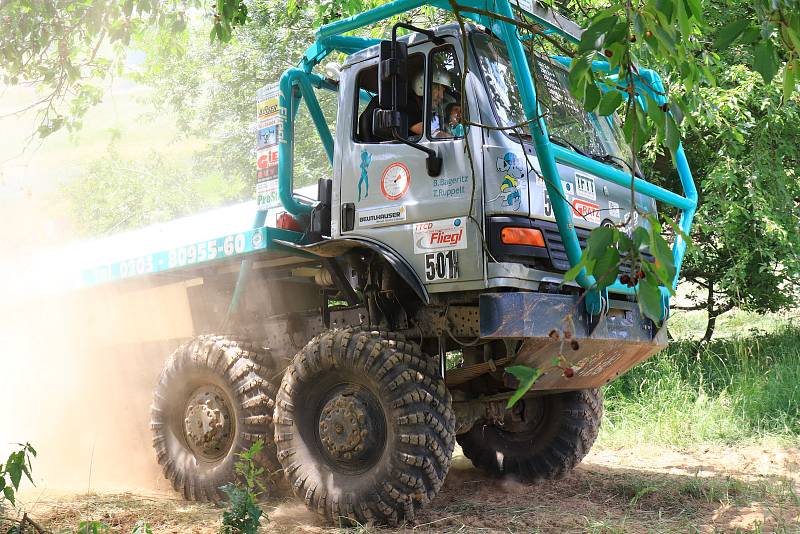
<point>568,124</point>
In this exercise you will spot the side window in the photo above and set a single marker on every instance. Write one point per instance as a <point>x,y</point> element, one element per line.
<point>444,86</point>
<point>366,97</point>
<point>366,100</point>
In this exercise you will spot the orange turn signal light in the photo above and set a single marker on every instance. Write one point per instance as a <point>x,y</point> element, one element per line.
<point>531,237</point>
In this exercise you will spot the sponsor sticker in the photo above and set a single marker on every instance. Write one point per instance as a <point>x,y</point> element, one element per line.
<point>267,194</point>
<point>382,215</point>
<point>268,136</point>
<point>395,181</point>
<point>445,234</point>
<point>569,188</point>
<point>267,162</point>
<point>587,210</point>
<point>267,101</point>
<point>584,186</point>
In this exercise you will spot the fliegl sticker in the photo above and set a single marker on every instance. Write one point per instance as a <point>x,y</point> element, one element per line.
<point>513,177</point>
<point>444,234</point>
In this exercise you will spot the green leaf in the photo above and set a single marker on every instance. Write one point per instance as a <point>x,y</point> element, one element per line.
<point>640,237</point>
<point>750,35</point>
<point>526,376</point>
<point>599,240</point>
<point>788,81</point>
<point>665,8</point>
<point>794,36</point>
<point>606,269</point>
<point>591,97</point>
<point>578,73</point>
<point>683,19</point>
<point>696,9</point>
<point>9,495</point>
<point>729,33</point>
<point>14,470</point>
<point>673,134</point>
<point>573,273</point>
<point>664,267</point>
<point>591,39</point>
<point>765,60</point>
<point>609,102</point>
<point>650,298</point>
<point>678,230</point>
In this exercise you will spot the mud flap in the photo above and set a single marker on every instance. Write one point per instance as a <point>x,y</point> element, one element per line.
<point>597,350</point>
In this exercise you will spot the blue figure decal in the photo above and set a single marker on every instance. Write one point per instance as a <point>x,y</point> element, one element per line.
<point>366,159</point>
<point>513,177</point>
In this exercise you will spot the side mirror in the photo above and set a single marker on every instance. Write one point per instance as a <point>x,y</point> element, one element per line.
<point>390,118</point>
<point>393,75</point>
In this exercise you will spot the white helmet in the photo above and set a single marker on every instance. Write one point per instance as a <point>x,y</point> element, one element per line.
<point>439,76</point>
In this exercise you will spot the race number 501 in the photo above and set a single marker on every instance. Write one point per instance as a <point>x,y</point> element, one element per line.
<point>441,266</point>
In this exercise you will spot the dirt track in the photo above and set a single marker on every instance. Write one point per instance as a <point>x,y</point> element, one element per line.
<point>646,490</point>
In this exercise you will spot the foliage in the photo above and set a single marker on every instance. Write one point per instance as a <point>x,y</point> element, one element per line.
<point>212,91</point>
<point>527,376</point>
<point>116,194</point>
<point>747,229</point>
<point>243,514</point>
<point>17,464</point>
<point>68,48</point>
<point>730,390</point>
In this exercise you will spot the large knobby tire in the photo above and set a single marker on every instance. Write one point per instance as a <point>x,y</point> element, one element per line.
<point>546,438</point>
<point>214,399</point>
<point>364,427</point>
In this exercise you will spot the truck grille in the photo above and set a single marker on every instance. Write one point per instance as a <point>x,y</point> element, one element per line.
<point>558,253</point>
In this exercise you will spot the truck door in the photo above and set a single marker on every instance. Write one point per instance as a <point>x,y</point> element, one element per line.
<point>385,190</point>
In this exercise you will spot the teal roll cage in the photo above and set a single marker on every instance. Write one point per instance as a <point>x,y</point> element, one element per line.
<point>299,83</point>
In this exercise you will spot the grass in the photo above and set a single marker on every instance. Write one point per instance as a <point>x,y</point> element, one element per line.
<point>735,390</point>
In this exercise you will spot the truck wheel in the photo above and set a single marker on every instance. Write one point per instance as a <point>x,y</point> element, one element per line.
<point>364,427</point>
<point>214,399</point>
<point>544,438</point>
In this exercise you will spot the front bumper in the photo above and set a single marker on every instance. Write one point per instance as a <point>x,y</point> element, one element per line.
<point>606,346</point>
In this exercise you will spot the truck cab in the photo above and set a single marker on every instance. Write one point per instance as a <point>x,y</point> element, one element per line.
<point>491,195</point>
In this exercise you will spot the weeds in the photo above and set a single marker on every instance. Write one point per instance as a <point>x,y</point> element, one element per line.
<point>729,391</point>
<point>17,464</point>
<point>243,515</point>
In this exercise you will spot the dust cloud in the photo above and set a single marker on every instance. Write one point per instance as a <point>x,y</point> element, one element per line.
<point>78,367</point>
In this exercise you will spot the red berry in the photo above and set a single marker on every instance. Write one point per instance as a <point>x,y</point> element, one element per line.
<point>633,38</point>
<point>625,279</point>
<point>640,275</point>
<point>608,53</point>
<point>569,372</point>
<point>648,34</point>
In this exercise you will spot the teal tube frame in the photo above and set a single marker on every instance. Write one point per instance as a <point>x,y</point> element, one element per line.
<point>330,38</point>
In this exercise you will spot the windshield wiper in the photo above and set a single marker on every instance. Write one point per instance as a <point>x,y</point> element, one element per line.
<point>557,139</point>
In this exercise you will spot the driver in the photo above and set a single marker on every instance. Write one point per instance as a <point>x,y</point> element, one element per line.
<point>440,83</point>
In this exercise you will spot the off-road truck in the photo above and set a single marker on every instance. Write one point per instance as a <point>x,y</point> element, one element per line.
<point>465,179</point>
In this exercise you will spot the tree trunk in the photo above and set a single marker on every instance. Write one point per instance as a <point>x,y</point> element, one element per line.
<point>712,314</point>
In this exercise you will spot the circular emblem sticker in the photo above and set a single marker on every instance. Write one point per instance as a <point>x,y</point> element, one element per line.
<point>395,181</point>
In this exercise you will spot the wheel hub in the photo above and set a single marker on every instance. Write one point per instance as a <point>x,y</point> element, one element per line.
<point>342,429</point>
<point>208,422</point>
